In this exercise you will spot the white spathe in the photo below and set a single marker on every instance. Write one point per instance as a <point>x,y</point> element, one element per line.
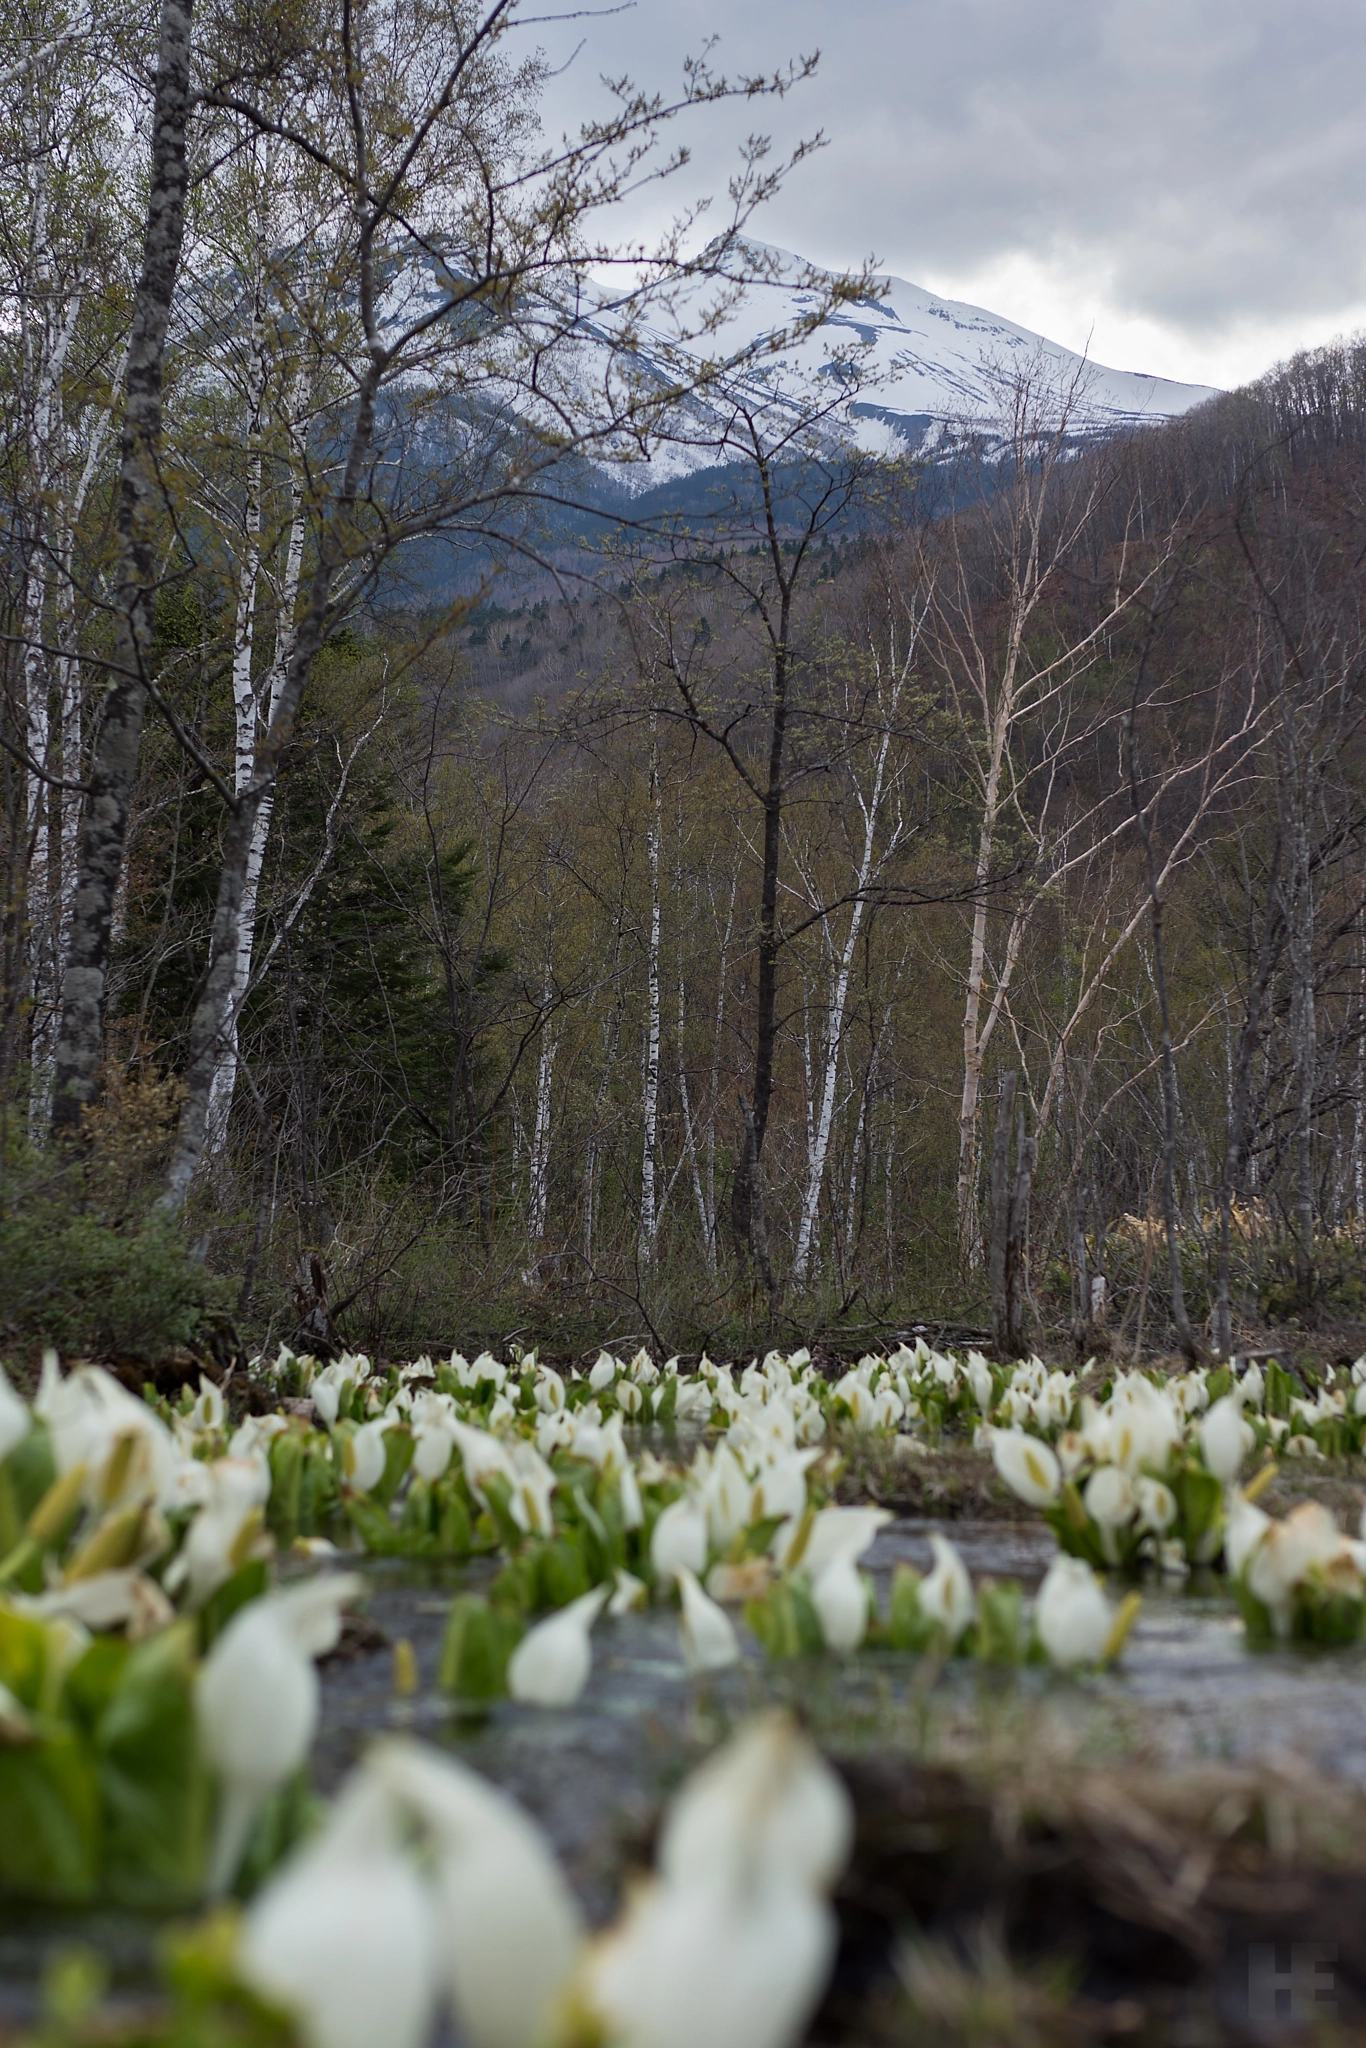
<point>732,1946</point>
<point>709,1639</point>
<point>1072,1617</point>
<point>344,1936</point>
<point>550,1666</point>
<point>1027,1466</point>
<point>767,1802</point>
<point>678,1541</point>
<point>510,1932</point>
<point>256,1702</point>
<point>840,1599</point>
<point>1225,1439</point>
<point>700,1964</point>
<point>946,1594</point>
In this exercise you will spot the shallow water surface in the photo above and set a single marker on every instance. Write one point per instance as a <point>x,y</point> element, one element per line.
<point>597,1774</point>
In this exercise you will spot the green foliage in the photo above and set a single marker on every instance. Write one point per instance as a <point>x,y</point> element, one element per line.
<point>785,1621</point>
<point>89,1265</point>
<point>101,1787</point>
<point>480,1639</point>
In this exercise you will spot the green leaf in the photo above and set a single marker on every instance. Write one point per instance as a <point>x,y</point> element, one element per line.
<point>27,1473</point>
<point>1279,1388</point>
<point>498,1493</point>
<point>560,1572</point>
<point>154,1789</point>
<point>399,1446</point>
<point>91,1680</point>
<point>1199,1502</point>
<point>284,1511</point>
<point>1077,1538</point>
<point>785,1621</point>
<point>1000,1622</point>
<point>479,1641</point>
<point>50,1837</point>
<point>24,1653</point>
<point>667,1400</point>
<point>381,1536</point>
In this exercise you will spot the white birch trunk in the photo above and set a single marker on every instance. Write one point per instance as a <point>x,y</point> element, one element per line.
<point>871,806</point>
<point>538,1161</point>
<point>705,1219</point>
<point>47,352</point>
<point>247,708</point>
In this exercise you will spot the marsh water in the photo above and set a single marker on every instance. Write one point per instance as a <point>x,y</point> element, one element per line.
<point>595,1775</point>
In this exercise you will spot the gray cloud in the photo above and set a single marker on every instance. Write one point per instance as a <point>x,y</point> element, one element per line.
<point>1200,163</point>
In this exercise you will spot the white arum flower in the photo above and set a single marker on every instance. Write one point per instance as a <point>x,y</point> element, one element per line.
<point>1225,1439</point>
<point>125,1598</point>
<point>1252,1387</point>
<point>726,1499</point>
<point>208,1411</point>
<point>693,1402</point>
<point>256,1702</point>
<point>1108,1498</point>
<point>1073,1451</point>
<point>630,1399</point>
<point>1156,1504</point>
<point>643,1369</point>
<point>1027,1466</point>
<point>712,1963</point>
<point>482,1455</point>
<point>709,1639</point>
<point>251,1438</point>
<point>630,1592</point>
<point>344,1935</point>
<point>533,1483</point>
<point>840,1599</point>
<point>433,1444</point>
<point>946,1593</point>
<point>128,1453</point>
<point>15,1420</point>
<point>780,1487</point>
<point>835,1533</point>
<point>1072,1617</point>
<point>550,1666</point>
<point>1244,1527</point>
<point>978,1375</point>
<point>363,1455</point>
<point>226,1531</point>
<point>1308,1539</point>
<point>678,1541</point>
<point>733,1944</point>
<point>1053,1403</point>
<point>1144,1424</point>
<point>604,1372</point>
<point>764,1803</point>
<point>888,1408</point>
<point>549,1392</point>
<point>510,1930</point>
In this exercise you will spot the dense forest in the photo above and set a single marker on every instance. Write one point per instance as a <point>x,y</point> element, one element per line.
<point>422,917</point>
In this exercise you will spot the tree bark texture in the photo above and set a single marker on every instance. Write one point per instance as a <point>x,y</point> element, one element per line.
<point>104,823</point>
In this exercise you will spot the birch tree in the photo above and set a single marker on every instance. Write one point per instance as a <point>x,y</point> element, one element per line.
<point>997,565</point>
<point>425,130</point>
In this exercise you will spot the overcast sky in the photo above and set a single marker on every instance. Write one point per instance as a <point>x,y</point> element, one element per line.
<point>1179,183</point>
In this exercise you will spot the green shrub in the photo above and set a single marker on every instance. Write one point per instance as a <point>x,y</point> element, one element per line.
<point>87,1262</point>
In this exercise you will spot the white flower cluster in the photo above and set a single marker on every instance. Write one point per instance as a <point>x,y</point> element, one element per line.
<point>429,1889</point>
